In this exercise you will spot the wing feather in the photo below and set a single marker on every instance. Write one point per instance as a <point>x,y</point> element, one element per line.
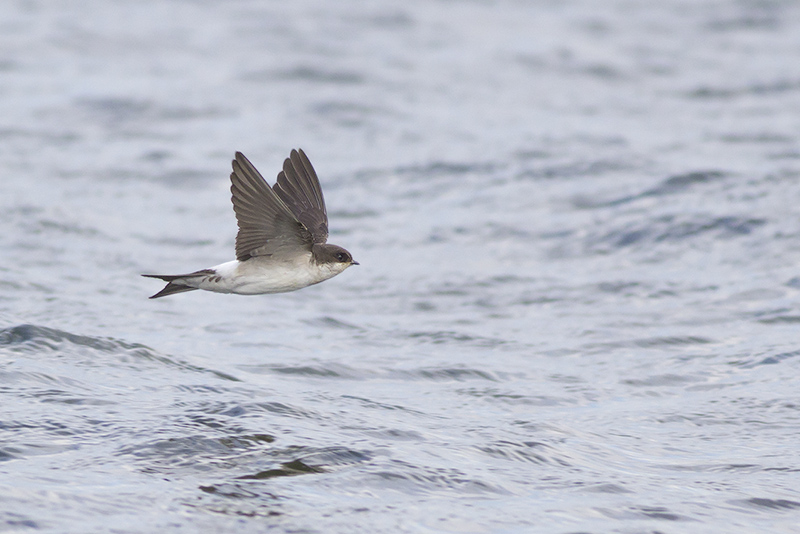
<point>298,187</point>
<point>267,226</point>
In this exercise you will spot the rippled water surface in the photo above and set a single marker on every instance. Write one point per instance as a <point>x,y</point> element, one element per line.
<point>577,304</point>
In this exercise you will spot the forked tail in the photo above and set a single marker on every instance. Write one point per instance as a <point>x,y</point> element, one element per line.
<point>173,287</point>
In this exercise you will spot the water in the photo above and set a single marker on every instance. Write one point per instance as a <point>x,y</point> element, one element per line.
<point>577,304</point>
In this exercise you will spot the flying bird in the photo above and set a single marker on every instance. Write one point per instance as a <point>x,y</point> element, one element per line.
<point>282,241</point>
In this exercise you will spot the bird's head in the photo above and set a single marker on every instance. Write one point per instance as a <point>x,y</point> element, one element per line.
<point>332,257</point>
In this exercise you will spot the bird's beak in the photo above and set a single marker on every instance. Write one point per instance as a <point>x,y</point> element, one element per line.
<point>354,262</point>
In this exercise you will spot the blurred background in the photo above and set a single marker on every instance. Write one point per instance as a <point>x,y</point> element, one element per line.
<point>577,304</point>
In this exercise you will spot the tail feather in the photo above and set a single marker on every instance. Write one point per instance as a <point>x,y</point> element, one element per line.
<point>172,287</point>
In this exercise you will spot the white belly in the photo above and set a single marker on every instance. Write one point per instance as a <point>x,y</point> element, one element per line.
<point>261,275</point>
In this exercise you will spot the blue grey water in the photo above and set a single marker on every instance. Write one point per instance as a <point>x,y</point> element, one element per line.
<point>578,304</point>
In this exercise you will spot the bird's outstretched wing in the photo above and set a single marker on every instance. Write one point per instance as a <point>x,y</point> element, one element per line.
<point>298,187</point>
<point>267,225</point>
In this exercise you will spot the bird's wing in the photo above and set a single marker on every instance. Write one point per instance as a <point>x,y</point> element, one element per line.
<point>298,187</point>
<point>267,226</point>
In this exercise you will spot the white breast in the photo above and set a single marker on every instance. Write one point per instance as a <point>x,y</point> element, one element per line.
<point>263,275</point>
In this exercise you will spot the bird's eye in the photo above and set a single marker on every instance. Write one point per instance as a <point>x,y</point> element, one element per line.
<point>342,257</point>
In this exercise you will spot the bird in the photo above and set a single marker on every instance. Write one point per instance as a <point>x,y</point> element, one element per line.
<point>282,240</point>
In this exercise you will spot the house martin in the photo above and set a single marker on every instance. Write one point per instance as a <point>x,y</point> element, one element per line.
<point>281,245</point>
